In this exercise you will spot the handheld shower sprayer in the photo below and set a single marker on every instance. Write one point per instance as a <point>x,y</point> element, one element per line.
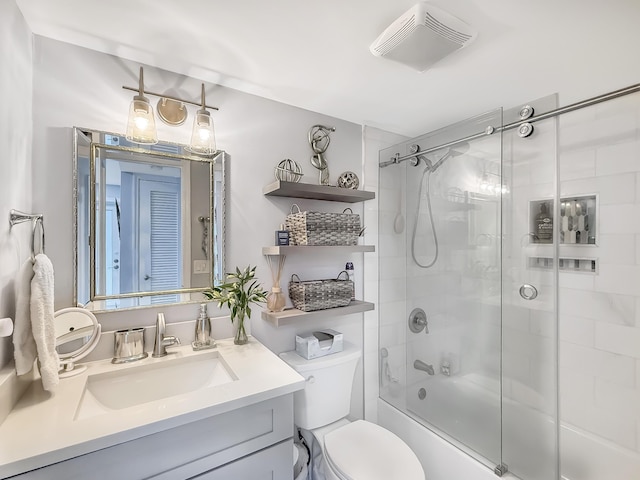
<point>459,149</point>
<point>430,168</point>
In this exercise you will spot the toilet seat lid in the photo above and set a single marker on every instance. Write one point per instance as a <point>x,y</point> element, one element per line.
<point>364,450</point>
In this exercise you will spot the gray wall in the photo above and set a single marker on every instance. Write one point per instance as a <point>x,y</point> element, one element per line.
<point>74,86</point>
<point>15,155</point>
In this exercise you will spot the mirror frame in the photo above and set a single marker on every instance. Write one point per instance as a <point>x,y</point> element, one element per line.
<point>219,157</point>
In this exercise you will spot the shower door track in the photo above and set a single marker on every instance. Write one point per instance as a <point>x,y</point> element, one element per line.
<point>536,118</point>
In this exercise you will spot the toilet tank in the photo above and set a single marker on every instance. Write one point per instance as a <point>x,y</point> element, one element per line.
<point>326,397</point>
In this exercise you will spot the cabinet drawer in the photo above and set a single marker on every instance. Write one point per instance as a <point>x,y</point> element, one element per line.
<point>271,463</point>
<point>183,451</point>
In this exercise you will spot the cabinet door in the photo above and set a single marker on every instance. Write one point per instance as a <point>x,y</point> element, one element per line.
<point>273,463</point>
<point>183,451</point>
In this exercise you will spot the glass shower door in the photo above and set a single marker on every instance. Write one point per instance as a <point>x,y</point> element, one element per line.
<point>453,271</point>
<point>529,290</point>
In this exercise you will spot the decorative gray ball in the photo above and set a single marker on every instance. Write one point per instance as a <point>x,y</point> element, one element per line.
<point>348,180</point>
<point>288,171</point>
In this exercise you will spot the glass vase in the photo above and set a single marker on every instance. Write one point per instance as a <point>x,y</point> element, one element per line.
<point>276,300</point>
<point>240,337</point>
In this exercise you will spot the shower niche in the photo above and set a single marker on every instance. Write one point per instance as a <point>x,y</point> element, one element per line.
<point>577,221</point>
<point>574,224</point>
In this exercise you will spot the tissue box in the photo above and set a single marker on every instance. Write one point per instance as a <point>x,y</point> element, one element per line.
<point>319,344</point>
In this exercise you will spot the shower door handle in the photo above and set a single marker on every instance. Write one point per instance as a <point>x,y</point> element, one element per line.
<point>528,292</point>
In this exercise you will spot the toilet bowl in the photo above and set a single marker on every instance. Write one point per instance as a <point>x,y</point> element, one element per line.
<point>358,450</point>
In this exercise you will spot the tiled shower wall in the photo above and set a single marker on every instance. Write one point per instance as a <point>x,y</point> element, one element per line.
<point>599,314</point>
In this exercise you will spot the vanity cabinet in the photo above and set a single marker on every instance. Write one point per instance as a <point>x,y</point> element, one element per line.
<point>315,192</point>
<point>252,442</point>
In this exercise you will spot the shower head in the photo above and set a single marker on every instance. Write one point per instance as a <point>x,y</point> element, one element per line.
<point>459,149</point>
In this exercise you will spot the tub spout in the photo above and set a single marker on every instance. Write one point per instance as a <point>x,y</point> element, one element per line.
<point>425,367</point>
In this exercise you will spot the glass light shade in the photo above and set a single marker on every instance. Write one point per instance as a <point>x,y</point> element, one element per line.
<point>141,127</point>
<point>203,138</point>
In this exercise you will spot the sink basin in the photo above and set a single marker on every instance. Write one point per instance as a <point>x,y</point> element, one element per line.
<point>136,385</point>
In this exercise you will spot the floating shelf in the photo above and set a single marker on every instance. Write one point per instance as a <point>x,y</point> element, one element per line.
<point>316,192</point>
<point>291,249</point>
<point>293,315</point>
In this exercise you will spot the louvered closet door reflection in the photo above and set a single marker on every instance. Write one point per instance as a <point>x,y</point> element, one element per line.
<point>160,238</point>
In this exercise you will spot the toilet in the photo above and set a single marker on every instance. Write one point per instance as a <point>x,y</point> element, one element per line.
<point>358,450</point>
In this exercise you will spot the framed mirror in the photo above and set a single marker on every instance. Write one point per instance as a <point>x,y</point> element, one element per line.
<point>149,222</point>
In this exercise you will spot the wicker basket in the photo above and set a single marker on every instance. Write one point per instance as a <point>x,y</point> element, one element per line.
<point>318,228</point>
<point>313,295</point>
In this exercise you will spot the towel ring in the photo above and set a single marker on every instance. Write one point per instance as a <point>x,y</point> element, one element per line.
<point>34,226</point>
<point>16,217</point>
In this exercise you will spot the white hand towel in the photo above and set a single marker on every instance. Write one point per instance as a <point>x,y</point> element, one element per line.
<point>42,321</point>
<point>24,346</point>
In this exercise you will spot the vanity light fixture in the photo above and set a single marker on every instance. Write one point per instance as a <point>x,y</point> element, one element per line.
<point>172,111</point>
<point>203,139</point>
<point>141,127</point>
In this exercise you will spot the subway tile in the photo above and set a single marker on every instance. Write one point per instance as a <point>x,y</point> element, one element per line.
<point>392,313</point>
<point>626,107</point>
<point>617,249</point>
<point>617,219</point>
<point>605,423</point>
<point>622,340</point>
<point>576,164</point>
<point>624,401</point>
<point>514,367</point>
<point>619,279</point>
<point>543,323</point>
<point>391,245</point>
<point>391,290</point>
<point>605,307</point>
<point>611,189</point>
<point>602,364</point>
<point>617,126</point>
<point>574,129</point>
<point>576,388</point>
<point>391,335</point>
<point>577,330</point>
<point>618,158</point>
<point>577,280</point>
<point>391,267</point>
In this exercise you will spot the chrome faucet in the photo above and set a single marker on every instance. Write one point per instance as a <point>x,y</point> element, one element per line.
<point>163,341</point>
<point>425,367</point>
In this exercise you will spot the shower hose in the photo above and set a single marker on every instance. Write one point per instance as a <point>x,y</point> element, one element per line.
<point>427,173</point>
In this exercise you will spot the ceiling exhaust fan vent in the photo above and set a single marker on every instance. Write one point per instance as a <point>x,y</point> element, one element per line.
<point>422,36</point>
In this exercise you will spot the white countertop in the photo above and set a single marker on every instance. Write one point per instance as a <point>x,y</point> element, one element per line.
<point>42,429</point>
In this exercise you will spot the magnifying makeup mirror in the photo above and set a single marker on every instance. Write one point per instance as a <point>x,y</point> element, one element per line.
<point>77,334</point>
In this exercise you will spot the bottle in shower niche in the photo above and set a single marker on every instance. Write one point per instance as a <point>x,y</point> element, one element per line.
<point>349,268</point>
<point>544,224</point>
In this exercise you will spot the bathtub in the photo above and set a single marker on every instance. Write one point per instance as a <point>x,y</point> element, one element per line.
<point>529,443</point>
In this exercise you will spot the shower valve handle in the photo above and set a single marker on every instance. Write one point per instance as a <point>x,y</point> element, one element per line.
<point>418,321</point>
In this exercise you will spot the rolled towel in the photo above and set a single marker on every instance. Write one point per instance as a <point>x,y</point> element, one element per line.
<point>42,321</point>
<point>24,346</point>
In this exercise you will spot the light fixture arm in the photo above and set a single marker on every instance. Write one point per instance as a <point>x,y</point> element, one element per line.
<point>177,99</point>
<point>141,83</point>
<point>204,104</point>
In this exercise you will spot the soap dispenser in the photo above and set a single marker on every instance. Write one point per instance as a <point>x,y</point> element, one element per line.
<point>203,330</point>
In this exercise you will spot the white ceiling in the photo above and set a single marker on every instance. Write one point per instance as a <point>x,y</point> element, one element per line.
<point>315,54</point>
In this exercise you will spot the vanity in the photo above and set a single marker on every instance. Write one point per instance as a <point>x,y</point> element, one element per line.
<point>212,414</point>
